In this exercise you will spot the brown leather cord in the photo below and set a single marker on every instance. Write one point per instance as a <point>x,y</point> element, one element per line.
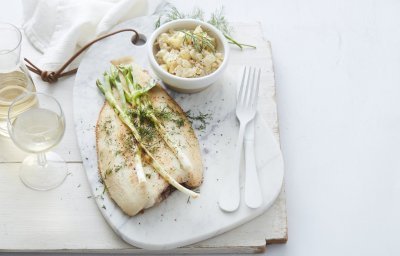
<point>53,76</point>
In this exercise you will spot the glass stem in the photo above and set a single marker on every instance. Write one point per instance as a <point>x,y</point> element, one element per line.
<point>41,158</point>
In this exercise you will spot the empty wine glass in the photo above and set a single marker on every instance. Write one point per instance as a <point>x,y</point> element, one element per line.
<point>36,131</point>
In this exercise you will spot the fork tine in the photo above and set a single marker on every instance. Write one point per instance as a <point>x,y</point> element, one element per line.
<point>240,95</point>
<point>248,89</point>
<point>254,95</point>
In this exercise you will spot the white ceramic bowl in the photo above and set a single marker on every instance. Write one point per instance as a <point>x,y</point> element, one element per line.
<point>181,84</point>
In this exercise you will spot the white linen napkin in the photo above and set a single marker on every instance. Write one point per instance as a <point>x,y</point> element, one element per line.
<point>58,28</point>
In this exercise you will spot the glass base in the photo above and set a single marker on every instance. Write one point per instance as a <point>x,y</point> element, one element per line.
<point>46,177</point>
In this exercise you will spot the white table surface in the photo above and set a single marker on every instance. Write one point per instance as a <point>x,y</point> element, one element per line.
<point>337,69</point>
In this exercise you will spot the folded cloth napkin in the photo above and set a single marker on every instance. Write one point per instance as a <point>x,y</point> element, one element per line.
<point>58,28</point>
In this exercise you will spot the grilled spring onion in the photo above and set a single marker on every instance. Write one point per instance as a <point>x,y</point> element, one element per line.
<point>137,152</point>
<point>133,99</point>
<point>124,117</point>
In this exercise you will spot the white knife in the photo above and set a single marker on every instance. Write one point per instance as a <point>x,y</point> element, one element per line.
<point>252,194</point>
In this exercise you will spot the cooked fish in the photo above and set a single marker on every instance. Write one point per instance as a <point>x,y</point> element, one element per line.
<point>116,147</point>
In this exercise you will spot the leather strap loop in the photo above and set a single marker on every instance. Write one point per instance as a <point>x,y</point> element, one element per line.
<point>53,76</point>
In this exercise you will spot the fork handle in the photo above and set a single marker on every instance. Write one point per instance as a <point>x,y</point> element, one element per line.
<point>229,198</point>
<point>252,192</point>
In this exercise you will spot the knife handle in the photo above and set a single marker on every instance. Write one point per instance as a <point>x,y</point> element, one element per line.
<point>252,194</point>
<point>229,198</point>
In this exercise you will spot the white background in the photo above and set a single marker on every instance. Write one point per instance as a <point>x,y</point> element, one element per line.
<point>337,67</point>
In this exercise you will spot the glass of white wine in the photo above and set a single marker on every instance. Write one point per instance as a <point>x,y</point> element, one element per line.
<point>36,131</point>
<point>14,76</point>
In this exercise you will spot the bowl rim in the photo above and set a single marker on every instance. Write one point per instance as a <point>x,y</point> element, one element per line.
<point>166,26</point>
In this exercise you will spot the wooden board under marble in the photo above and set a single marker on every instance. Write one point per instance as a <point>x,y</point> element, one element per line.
<point>66,220</point>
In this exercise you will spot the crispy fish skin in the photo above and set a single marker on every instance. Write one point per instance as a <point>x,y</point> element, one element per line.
<point>115,154</point>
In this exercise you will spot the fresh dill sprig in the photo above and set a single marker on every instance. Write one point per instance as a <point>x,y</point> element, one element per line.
<point>240,45</point>
<point>147,132</point>
<point>179,122</point>
<point>200,40</point>
<point>141,116</point>
<point>197,14</point>
<point>202,118</point>
<point>158,22</point>
<point>174,14</point>
<point>108,172</point>
<point>166,114</point>
<point>217,19</point>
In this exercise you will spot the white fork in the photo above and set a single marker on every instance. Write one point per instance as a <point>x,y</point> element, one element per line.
<point>246,107</point>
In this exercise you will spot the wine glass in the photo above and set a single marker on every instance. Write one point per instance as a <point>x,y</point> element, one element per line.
<point>14,76</point>
<point>37,130</point>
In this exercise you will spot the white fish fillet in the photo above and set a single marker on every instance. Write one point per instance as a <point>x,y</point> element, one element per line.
<point>116,161</point>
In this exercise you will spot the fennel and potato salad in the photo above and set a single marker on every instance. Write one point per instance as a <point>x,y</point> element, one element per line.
<point>145,142</point>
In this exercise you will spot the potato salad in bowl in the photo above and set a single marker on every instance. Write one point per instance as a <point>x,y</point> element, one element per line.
<point>188,55</point>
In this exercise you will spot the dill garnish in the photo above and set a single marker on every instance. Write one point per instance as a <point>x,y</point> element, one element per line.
<point>174,14</point>
<point>197,14</point>
<point>128,141</point>
<point>147,132</point>
<point>164,113</point>
<point>118,168</point>
<point>142,117</point>
<point>200,40</point>
<point>158,22</point>
<point>107,126</point>
<point>217,19</point>
<point>105,189</point>
<point>167,114</point>
<point>200,119</point>
<point>179,122</point>
<point>108,172</point>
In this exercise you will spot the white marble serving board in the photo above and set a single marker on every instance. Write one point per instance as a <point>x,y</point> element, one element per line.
<point>176,221</point>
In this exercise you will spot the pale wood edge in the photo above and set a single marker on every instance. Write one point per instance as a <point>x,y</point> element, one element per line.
<point>138,251</point>
<point>277,128</point>
<point>285,239</point>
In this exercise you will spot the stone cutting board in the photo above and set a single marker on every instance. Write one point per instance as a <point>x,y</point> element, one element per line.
<point>178,222</point>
